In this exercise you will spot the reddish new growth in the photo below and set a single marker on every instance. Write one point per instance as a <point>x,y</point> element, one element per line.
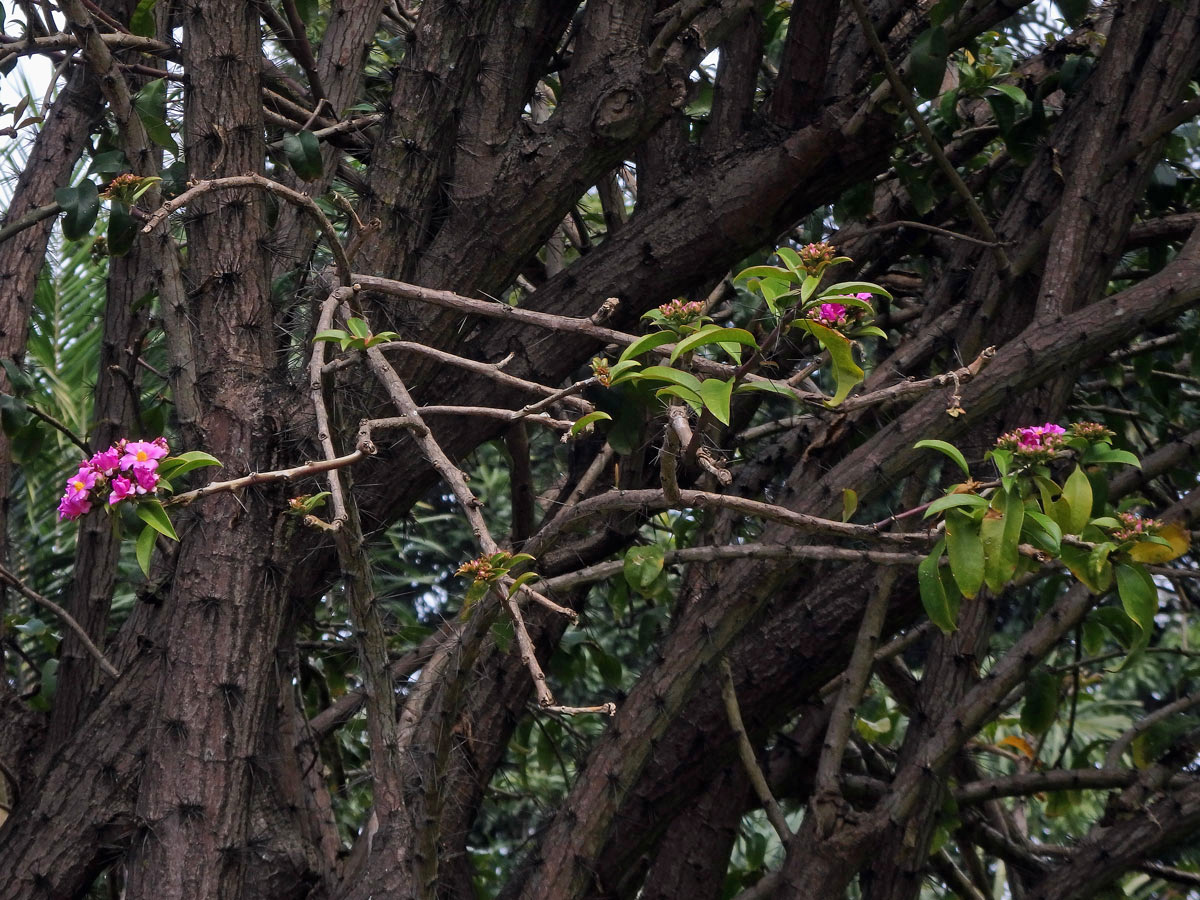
<point>601,372</point>
<point>1091,431</point>
<point>480,569</point>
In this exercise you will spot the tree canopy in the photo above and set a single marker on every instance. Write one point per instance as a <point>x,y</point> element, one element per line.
<point>580,451</point>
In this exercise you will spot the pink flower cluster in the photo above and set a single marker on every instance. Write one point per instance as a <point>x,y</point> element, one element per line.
<point>1134,526</point>
<point>829,314</point>
<point>126,469</point>
<point>680,311</point>
<point>815,256</point>
<point>1039,441</point>
<point>834,314</point>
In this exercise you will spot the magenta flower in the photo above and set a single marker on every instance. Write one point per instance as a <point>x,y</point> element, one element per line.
<point>72,507</point>
<point>1036,441</point>
<point>830,314</point>
<point>122,488</point>
<point>867,297</point>
<point>82,482</point>
<point>146,477</point>
<point>106,461</point>
<point>143,454</point>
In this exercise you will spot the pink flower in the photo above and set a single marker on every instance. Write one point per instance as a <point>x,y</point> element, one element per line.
<point>73,506</point>
<point>122,488</point>
<point>1040,441</point>
<point>106,461</point>
<point>147,479</point>
<point>144,454</point>
<point>867,297</point>
<point>82,482</point>
<point>830,314</point>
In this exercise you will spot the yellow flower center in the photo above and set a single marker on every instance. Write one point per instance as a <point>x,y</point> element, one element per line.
<point>80,486</point>
<point>141,456</point>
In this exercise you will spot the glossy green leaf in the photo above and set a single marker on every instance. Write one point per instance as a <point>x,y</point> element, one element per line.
<point>358,327</point>
<point>949,449</point>
<point>964,547</point>
<point>145,549</point>
<point>713,334</point>
<point>955,501</point>
<point>151,105</point>
<point>856,287</point>
<point>152,513</point>
<point>1043,531</point>
<point>123,229</point>
<point>304,155</point>
<point>1106,455</point>
<point>521,580</point>
<point>646,343</point>
<point>846,372</point>
<point>584,423</point>
<point>142,20</point>
<point>174,466</point>
<point>1139,595</point>
<point>675,376</point>
<point>643,565</point>
<point>1078,493</point>
<point>716,394</point>
<point>937,603</point>
<point>690,397</point>
<point>81,204</point>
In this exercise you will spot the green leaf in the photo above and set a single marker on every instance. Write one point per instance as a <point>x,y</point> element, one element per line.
<point>522,579</point>
<point>151,105</point>
<point>716,393</point>
<point>770,387</point>
<point>1078,493</point>
<point>122,229</point>
<point>713,334</point>
<point>1041,703</point>
<point>809,287</point>
<point>358,327</point>
<point>145,548</point>
<point>1000,532</point>
<point>965,549</point>
<point>675,376</point>
<point>690,397</point>
<point>304,155</point>
<point>764,272</point>
<point>849,504</point>
<point>644,344</point>
<point>81,204</point>
<point>585,422</point>
<point>955,501</point>
<point>110,162</point>
<point>1011,91</point>
<point>1106,455</point>
<point>1119,625</point>
<point>1043,531</point>
<point>855,287</point>
<point>1139,595</point>
<point>938,606</point>
<point>792,260</point>
<point>928,62</point>
<point>643,565</point>
<point>152,513</point>
<point>949,449</point>
<point>174,466</point>
<point>846,372</point>
<point>331,334</point>
<point>142,20</point>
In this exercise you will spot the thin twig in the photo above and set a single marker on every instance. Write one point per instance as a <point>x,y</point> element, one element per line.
<point>316,389</point>
<point>944,232</point>
<point>305,202</point>
<point>904,96</point>
<point>66,618</point>
<point>1121,744</point>
<point>746,751</point>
